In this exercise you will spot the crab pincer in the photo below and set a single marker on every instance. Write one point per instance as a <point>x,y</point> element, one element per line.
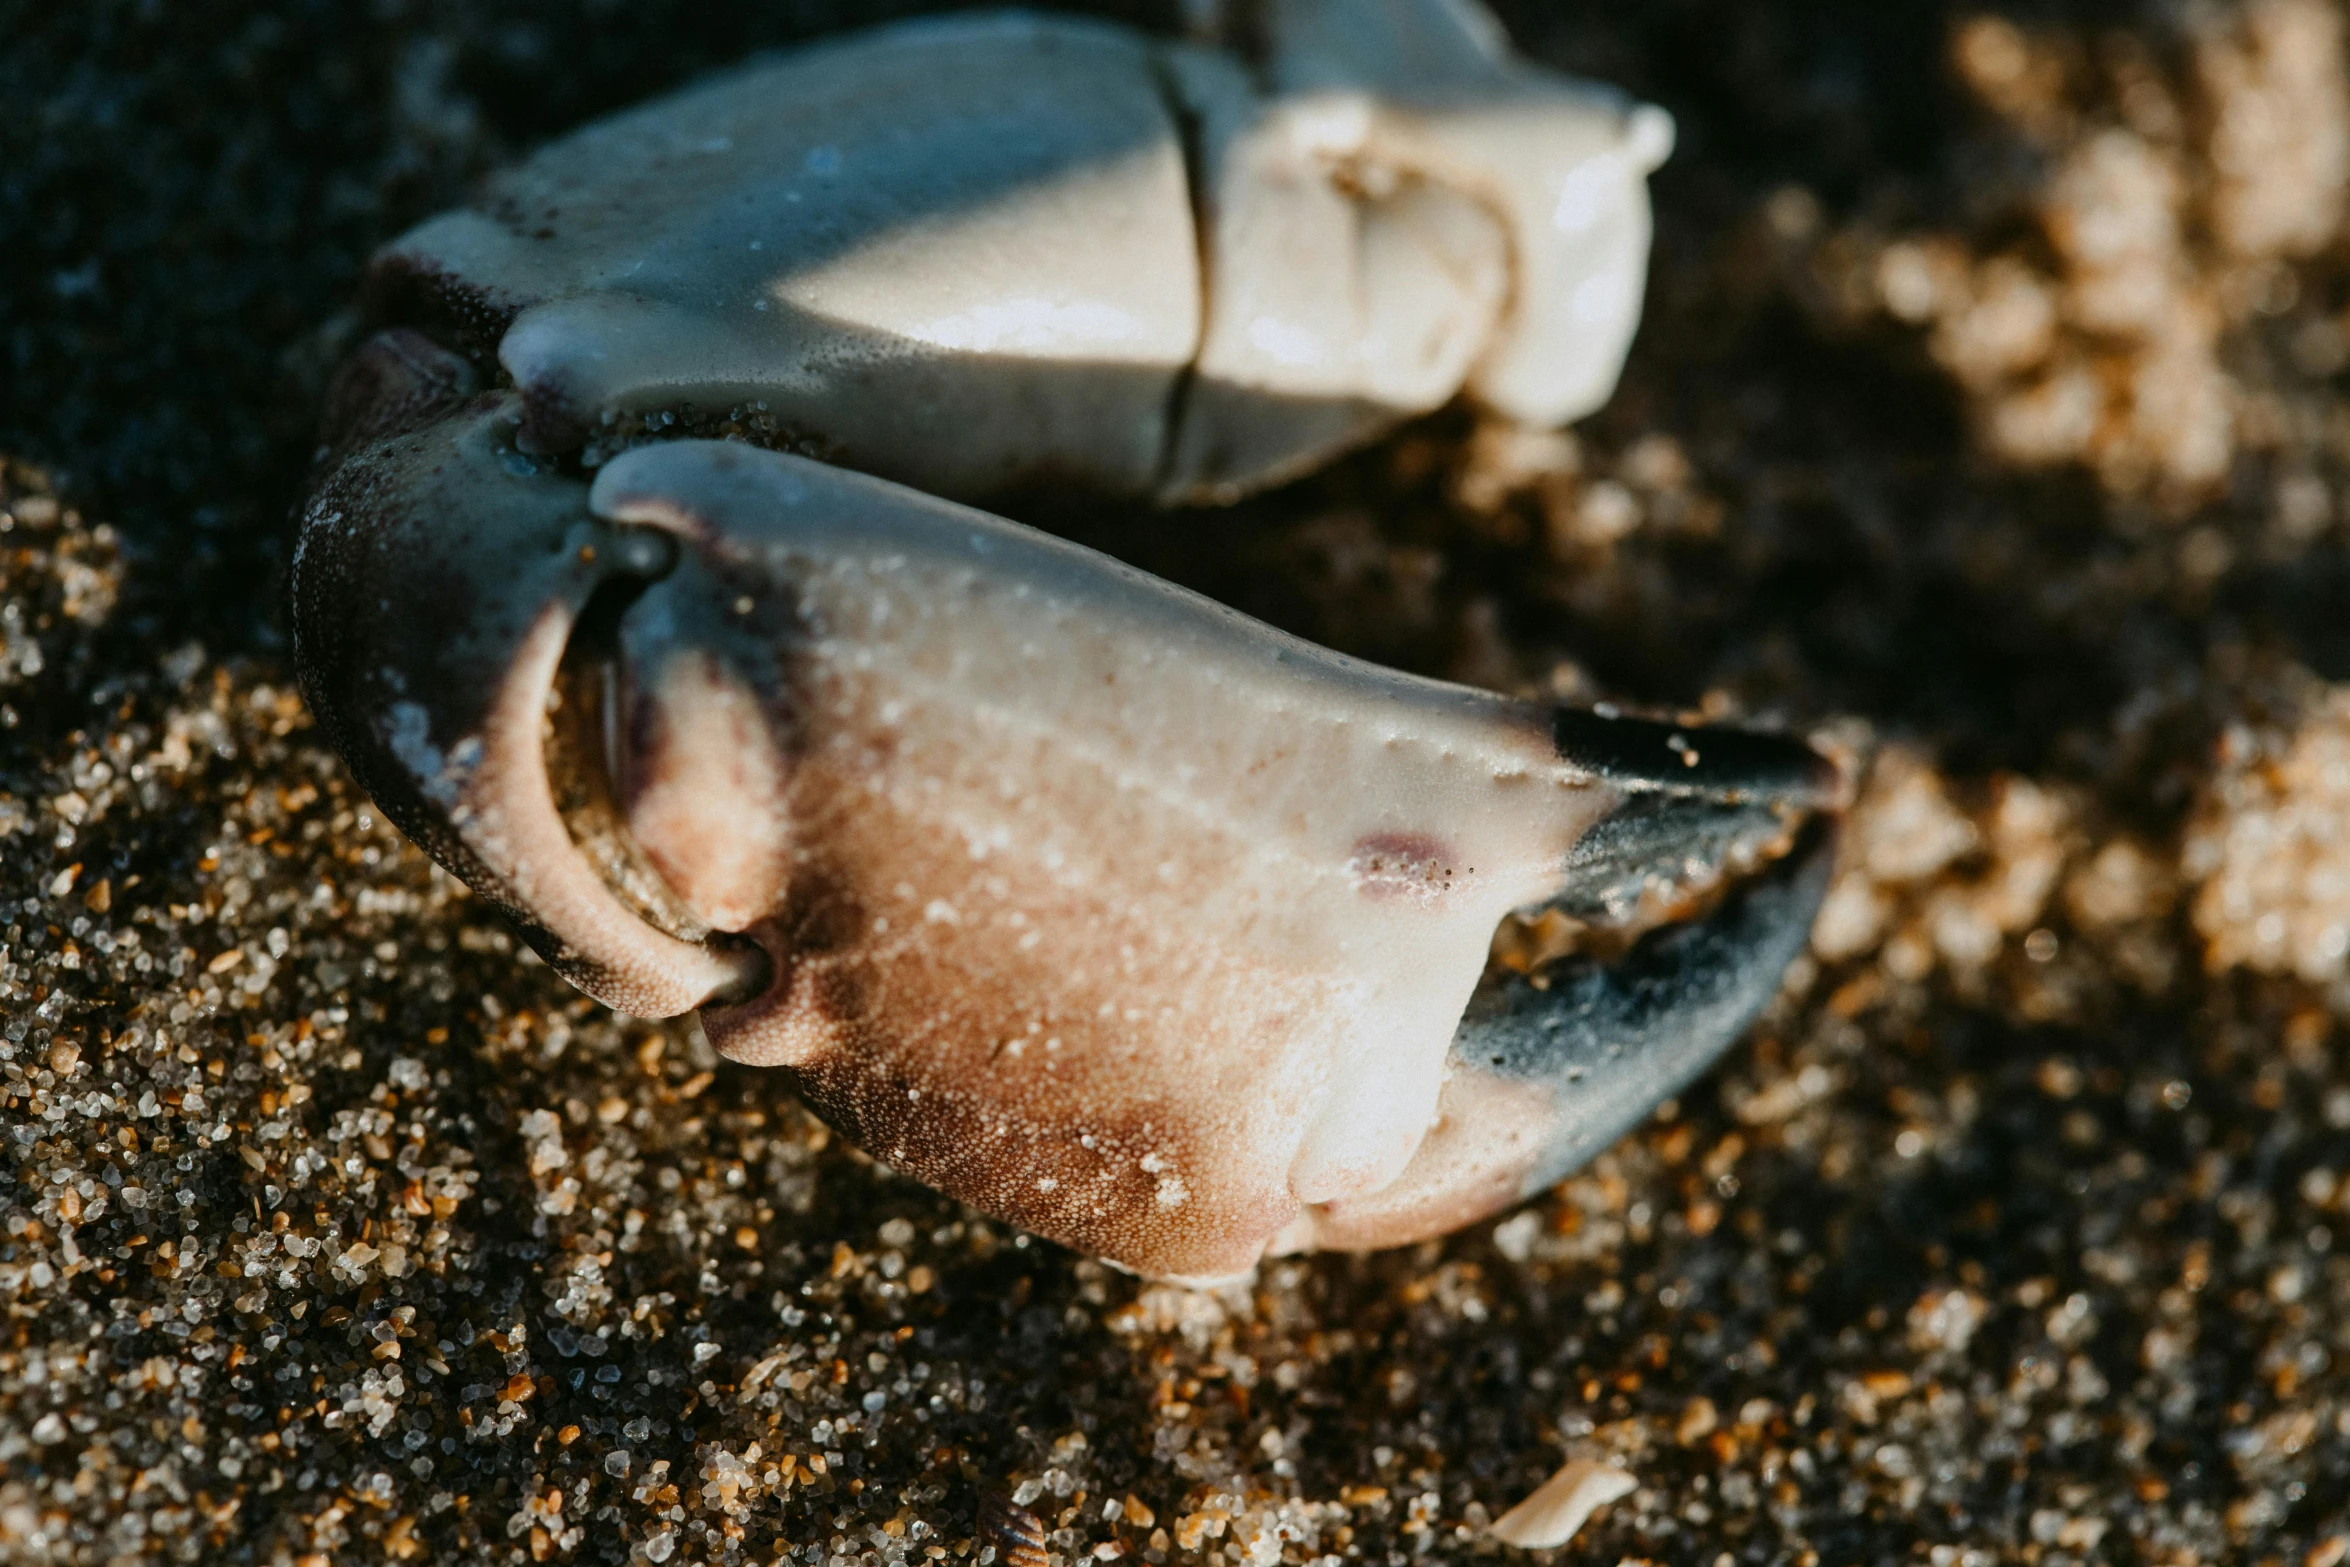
<point>1081,897</point>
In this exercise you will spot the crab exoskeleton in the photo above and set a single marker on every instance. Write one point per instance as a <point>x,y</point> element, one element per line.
<point>1076,895</point>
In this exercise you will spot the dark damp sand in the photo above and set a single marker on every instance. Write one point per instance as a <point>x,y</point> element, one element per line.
<point>331,1229</point>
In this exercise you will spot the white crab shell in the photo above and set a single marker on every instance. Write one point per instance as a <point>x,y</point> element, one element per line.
<point>981,252</point>
<point>1073,893</point>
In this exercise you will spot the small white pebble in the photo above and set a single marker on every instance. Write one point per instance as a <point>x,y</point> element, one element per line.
<point>1562,1504</point>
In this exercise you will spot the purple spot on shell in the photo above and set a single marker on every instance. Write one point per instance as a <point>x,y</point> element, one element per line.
<point>1411,865</point>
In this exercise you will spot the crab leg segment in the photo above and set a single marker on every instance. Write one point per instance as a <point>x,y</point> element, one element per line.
<point>978,254</point>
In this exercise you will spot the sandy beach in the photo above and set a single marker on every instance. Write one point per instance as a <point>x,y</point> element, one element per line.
<point>1987,417</point>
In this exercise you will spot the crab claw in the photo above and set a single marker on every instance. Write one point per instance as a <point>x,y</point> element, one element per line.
<point>1547,1070</point>
<point>1080,897</point>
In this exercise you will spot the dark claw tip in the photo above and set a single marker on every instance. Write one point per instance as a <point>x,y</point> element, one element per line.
<point>1741,765</point>
<point>1612,1040</point>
